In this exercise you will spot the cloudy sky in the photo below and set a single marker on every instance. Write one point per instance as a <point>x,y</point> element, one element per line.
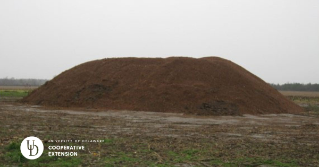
<point>277,40</point>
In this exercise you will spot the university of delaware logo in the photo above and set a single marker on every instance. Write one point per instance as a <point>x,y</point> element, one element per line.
<point>31,147</point>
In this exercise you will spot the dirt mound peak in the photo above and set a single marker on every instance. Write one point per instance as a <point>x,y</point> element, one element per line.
<point>204,86</point>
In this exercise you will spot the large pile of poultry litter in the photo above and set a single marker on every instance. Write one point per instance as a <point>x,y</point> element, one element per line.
<point>204,86</point>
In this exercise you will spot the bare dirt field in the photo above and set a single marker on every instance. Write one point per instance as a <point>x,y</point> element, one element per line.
<point>161,139</point>
<point>300,93</point>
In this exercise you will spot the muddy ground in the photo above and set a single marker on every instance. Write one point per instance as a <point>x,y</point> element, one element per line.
<point>162,139</point>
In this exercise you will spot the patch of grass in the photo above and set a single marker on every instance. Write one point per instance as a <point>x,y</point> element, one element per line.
<point>216,162</point>
<point>14,93</point>
<point>63,162</point>
<point>121,158</point>
<point>55,161</point>
<point>304,99</point>
<point>13,155</point>
<point>251,162</point>
<point>313,108</point>
<point>186,155</point>
<point>109,141</point>
<point>12,146</point>
<point>161,165</point>
<point>190,152</point>
<point>124,153</point>
<point>310,104</point>
<point>282,164</point>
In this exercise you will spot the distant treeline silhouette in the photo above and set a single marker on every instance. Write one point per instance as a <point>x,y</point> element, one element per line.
<point>296,87</point>
<point>21,82</point>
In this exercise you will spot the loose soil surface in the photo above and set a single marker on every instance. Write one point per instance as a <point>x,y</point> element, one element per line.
<point>166,139</point>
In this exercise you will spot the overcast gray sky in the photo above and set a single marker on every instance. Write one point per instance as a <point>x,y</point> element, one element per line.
<point>277,40</point>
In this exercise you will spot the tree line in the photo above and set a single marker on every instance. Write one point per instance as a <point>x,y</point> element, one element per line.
<point>296,87</point>
<point>21,82</point>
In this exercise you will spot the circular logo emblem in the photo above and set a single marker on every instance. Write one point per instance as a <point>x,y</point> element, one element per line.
<point>31,147</point>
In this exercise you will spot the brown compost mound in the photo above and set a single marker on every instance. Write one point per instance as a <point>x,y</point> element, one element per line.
<point>204,86</point>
